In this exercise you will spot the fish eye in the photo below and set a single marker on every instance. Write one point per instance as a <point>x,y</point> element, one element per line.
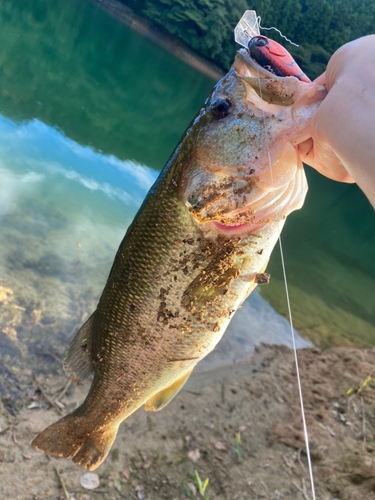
<point>221,107</point>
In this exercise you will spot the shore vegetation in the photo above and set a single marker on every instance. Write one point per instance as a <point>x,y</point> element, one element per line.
<point>319,27</point>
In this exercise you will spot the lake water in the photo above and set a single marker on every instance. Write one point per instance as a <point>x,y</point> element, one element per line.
<point>90,112</point>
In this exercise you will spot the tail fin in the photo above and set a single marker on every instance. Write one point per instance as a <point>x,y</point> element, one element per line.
<point>69,438</point>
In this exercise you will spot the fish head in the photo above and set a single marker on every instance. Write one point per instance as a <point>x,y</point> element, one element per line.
<point>244,171</point>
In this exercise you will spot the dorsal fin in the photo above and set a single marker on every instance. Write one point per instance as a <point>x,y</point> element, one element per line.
<point>77,363</point>
<point>163,397</point>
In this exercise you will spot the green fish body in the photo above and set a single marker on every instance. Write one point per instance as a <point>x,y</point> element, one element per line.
<point>194,252</point>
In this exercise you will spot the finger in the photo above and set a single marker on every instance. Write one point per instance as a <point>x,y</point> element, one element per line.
<point>321,80</point>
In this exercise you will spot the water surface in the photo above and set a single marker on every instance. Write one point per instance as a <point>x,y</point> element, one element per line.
<point>329,249</point>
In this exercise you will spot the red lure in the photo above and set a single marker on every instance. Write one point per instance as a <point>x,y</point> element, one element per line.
<point>273,57</point>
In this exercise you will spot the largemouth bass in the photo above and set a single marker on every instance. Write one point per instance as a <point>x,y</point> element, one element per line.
<point>195,250</point>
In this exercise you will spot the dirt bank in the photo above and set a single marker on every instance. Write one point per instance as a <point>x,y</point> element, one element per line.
<point>155,454</point>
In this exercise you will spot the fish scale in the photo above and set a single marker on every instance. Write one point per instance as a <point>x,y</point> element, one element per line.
<point>143,331</point>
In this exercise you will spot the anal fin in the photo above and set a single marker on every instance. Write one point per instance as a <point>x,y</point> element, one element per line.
<point>162,398</point>
<point>78,358</point>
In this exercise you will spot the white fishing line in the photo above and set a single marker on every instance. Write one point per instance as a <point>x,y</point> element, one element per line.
<point>289,308</point>
<point>273,28</point>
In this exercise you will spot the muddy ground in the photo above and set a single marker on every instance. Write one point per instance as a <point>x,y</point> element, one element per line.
<point>155,454</point>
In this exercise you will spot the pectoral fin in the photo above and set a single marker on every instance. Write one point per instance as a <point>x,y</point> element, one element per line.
<point>163,397</point>
<point>262,278</point>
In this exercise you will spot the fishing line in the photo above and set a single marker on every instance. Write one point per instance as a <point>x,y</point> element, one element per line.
<point>289,307</point>
<point>273,28</point>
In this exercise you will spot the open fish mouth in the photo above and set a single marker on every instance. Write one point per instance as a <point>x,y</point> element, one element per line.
<point>254,69</point>
<point>270,87</point>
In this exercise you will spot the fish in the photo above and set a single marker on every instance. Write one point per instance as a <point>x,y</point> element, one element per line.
<point>196,249</point>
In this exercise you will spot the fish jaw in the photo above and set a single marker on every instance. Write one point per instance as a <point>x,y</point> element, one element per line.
<point>236,228</point>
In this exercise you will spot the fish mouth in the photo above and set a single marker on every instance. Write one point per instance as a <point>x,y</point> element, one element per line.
<point>246,66</point>
<point>270,88</point>
<point>235,229</point>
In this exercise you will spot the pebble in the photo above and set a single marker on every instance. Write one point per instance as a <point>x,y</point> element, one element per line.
<point>90,481</point>
<point>194,455</point>
<point>140,492</point>
<point>32,405</point>
<point>220,446</point>
<point>192,488</point>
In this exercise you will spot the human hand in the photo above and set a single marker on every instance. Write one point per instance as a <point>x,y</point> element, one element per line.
<point>342,142</point>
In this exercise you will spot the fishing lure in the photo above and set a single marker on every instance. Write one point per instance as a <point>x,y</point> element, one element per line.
<point>266,52</point>
<point>273,57</point>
